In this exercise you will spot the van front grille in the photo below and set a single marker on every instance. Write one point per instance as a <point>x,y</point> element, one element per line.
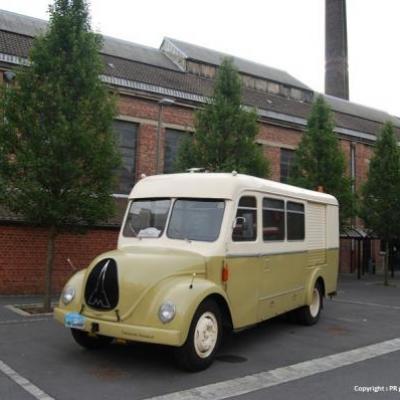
<point>102,292</point>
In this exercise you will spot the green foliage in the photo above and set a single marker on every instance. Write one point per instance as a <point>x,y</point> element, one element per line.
<point>225,132</point>
<point>185,157</point>
<point>58,152</point>
<point>381,192</point>
<point>319,160</point>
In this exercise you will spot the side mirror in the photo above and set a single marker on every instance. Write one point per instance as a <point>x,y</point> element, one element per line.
<point>239,223</point>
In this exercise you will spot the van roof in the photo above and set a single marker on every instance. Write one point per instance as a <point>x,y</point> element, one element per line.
<point>219,186</point>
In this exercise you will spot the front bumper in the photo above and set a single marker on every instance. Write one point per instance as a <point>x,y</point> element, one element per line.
<point>127,332</point>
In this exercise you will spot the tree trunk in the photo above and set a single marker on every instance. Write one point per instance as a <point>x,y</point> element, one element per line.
<point>49,268</point>
<point>386,265</point>
<point>393,258</point>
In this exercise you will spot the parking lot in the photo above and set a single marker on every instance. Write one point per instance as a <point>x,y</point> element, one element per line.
<point>353,350</point>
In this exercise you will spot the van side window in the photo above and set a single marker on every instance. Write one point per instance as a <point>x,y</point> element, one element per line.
<point>273,219</point>
<point>295,221</point>
<point>245,229</point>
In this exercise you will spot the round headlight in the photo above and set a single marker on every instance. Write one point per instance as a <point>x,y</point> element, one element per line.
<point>167,311</point>
<point>68,295</point>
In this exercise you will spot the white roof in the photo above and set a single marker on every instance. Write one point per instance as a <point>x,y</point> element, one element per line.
<point>219,186</point>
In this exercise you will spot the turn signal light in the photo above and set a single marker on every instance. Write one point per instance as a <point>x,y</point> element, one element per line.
<point>225,273</point>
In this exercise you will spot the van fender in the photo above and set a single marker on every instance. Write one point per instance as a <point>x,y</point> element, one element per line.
<point>76,282</point>
<point>199,292</point>
<point>316,274</point>
<point>186,293</point>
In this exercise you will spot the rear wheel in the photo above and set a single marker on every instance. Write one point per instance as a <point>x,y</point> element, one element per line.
<point>309,314</point>
<point>90,341</point>
<point>203,339</point>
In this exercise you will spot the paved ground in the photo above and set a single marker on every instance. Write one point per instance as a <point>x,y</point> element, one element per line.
<point>38,358</point>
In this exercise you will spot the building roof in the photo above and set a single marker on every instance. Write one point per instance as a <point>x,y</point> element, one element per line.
<point>136,52</point>
<point>219,186</point>
<point>22,24</point>
<point>18,24</point>
<point>350,108</point>
<point>213,57</point>
<point>14,44</point>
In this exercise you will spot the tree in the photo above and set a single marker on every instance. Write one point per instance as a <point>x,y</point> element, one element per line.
<point>225,132</point>
<point>381,192</point>
<point>320,162</point>
<point>58,153</point>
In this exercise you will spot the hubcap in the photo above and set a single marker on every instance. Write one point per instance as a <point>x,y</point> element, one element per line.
<point>205,334</point>
<point>315,304</point>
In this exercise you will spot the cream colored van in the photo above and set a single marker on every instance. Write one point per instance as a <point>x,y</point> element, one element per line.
<point>202,252</point>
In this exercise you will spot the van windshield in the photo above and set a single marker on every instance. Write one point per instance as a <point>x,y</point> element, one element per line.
<point>147,218</point>
<point>191,219</point>
<point>196,219</point>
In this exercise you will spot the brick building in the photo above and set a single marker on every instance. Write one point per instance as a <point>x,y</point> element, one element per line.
<point>158,90</point>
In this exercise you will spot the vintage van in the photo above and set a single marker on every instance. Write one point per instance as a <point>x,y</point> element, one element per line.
<point>202,252</point>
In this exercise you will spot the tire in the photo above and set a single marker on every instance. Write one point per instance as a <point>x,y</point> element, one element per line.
<point>203,339</point>
<point>90,342</point>
<point>310,314</point>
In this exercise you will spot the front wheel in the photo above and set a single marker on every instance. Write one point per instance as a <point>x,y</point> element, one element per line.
<point>203,339</point>
<point>89,341</point>
<point>309,314</point>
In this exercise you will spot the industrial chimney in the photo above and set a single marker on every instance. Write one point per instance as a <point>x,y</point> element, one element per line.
<point>336,64</point>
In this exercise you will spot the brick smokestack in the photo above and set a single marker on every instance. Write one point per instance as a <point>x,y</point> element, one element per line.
<point>336,61</point>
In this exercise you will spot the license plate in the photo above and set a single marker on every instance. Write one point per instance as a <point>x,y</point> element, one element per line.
<point>74,320</point>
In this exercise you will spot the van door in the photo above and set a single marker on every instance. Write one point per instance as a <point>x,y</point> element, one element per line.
<point>283,256</point>
<point>243,263</point>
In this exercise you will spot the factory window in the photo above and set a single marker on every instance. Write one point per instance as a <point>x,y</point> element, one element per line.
<point>173,139</point>
<point>287,158</point>
<point>126,138</point>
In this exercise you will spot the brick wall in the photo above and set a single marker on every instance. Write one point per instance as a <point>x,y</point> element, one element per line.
<point>363,155</point>
<point>23,252</point>
<point>275,138</point>
<point>348,256</point>
<point>146,113</point>
<point>146,154</point>
<point>148,109</point>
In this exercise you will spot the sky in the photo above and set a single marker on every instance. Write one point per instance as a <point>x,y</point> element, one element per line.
<point>284,34</point>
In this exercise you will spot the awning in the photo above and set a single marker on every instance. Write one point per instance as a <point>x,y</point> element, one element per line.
<point>357,233</point>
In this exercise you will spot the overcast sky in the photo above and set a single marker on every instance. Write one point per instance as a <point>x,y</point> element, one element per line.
<point>285,34</point>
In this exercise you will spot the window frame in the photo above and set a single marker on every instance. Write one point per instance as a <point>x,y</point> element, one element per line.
<point>175,199</point>
<point>285,211</point>
<point>130,203</point>
<point>256,209</point>
<point>295,212</point>
<point>183,135</point>
<point>274,209</point>
<point>288,163</point>
<point>124,121</point>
